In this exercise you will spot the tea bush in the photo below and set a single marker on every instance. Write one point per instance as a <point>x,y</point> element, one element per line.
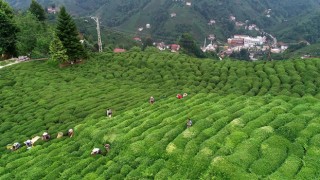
<point>251,120</point>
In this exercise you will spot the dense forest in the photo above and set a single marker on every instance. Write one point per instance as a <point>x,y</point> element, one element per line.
<point>129,15</point>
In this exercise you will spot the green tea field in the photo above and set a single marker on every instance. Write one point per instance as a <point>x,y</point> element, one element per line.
<point>251,120</point>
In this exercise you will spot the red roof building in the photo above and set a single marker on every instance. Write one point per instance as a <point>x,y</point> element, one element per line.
<point>175,47</point>
<point>236,42</point>
<point>119,50</point>
<point>137,39</point>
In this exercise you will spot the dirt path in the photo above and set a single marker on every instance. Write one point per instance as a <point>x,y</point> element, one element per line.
<point>16,62</point>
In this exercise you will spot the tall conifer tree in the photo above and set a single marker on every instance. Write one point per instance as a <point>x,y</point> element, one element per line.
<point>68,34</point>
<point>57,51</point>
<point>36,9</point>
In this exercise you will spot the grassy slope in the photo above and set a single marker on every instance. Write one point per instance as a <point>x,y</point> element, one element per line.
<point>251,120</point>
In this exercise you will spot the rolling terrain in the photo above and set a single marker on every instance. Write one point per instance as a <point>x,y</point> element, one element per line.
<point>252,120</point>
<point>129,15</point>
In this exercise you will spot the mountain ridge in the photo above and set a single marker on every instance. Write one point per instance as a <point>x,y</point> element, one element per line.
<point>130,15</point>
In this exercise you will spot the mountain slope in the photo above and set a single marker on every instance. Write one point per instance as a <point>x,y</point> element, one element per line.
<point>251,120</point>
<point>129,15</point>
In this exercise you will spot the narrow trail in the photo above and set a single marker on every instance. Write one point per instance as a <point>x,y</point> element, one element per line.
<point>16,62</point>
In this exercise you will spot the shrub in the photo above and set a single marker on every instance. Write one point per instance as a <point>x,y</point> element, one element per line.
<point>163,174</point>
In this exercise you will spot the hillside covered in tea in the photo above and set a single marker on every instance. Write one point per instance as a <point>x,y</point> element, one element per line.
<point>251,120</point>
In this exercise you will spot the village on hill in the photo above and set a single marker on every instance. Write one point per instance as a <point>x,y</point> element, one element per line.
<point>254,45</point>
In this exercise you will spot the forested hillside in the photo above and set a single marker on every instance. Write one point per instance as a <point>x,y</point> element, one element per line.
<point>301,29</point>
<point>129,15</point>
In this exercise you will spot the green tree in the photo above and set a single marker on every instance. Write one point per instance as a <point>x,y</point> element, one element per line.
<point>242,55</point>
<point>42,45</point>
<point>27,36</point>
<point>190,47</point>
<point>147,42</point>
<point>8,30</point>
<point>68,34</point>
<point>57,51</point>
<point>36,9</point>
<point>34,36</point>
<point>6,9</point>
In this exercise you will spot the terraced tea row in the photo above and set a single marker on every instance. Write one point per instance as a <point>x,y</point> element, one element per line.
<point>229,141</point>
<point>235,134</point>
<point>294,78</point>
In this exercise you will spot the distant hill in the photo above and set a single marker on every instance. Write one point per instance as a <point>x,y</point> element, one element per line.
<point>168,18</point>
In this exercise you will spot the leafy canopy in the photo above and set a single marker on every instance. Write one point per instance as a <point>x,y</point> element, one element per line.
<point>189,46</point>
<point>8,30</point>
<point>6,9</point>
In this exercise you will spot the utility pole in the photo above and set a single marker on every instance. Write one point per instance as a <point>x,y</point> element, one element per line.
<point>205,43</point>
<point>96,19</point>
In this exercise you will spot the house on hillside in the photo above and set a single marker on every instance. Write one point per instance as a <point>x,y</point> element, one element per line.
<point>252,27</point>
<point>210,47</point>
<point>306,56</point>
<point>211,37</point>
<point>188,3</point>
<point>236,42</point>
<point>119,50</point>
<point>52,10</point>
<point>232,18</point>
<point>175,47</point>
<point>140,29</point>
<point>161,46</point>
<point>246,41</point>
<point>148,26</point>
<point>173,15</point>
<point>137,39</point>
<point>283,46</point>
<point>225,53</point>
<point>239,24</point>
<point>275,50</point>
<point>211,22</point>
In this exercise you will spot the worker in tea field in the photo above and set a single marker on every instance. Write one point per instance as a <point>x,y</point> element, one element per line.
<point>28,143</point>
<point>45,136</point>
<point>107,146</point>
<point>179,96</point>
<point>109,113</point>
<point>60,135</point>
<point>151,100</point>
<point>184,95</point>
<point>15,146</point>
<point>189,123</point>
<point>95,151</point>
<point>70,132</point>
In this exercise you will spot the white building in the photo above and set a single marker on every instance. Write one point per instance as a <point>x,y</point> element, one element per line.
<point>239,42</point>
<point>276,50</point>
<point>232,18</point>
<point>211,22</point>
<point>251,41</point>
<point>209,47</point>
<point>161,46</point>
<point>257,41</point>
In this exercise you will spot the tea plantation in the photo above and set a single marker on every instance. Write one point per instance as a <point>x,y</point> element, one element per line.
<point>251,120</point>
